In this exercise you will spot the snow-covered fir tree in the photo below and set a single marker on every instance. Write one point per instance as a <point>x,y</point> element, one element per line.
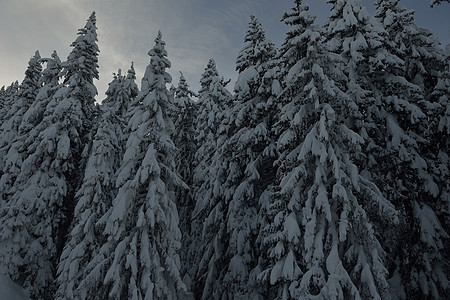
<point>7,99</point>
<point>95,196</point>
<point>402,157</point>
<point>26,132</point>
<point>244,166</point>
<point>211,129</point>
<point>6,102</point>
<point>50,84</point>
<point>26,93</point>
<point>325,176</point>
<point>184,140</point>
<point>213,100</point>
<point>2,97</point>
<point>18,106</point>
<point>184,134</point>
<point>440,140</point>
<point>293,50</point>
<point>321,242</point>
<point>40,210</point>
<point>298,19</point>
<point>142,238</point>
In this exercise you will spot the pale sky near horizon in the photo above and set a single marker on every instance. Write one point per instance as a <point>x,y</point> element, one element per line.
<point>194,31</point>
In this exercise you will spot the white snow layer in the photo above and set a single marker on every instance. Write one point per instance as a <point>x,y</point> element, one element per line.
<point>9,290</point>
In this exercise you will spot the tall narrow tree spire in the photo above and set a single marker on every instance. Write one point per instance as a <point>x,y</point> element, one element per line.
<point>142,224</point>
<point>95,196</point>
<point>43,199</point>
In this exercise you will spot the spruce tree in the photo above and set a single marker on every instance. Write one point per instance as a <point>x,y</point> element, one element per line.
<point>26,93</point>
<point>18,106</point>
<point>40,210</point>
<point>321,241</point>
<point>2,101</point>
<point>243,158</point>
<point>142,237</point>
<point>440,140</point>
<point>6,103</point>
<point>184,134</point>
<point>95,196</point>
<point>2,95</point>
<point>403,157</point>
<point>211,132</point>
<point>184,140</point>
<point>26,131</point>
<point>7,100</point>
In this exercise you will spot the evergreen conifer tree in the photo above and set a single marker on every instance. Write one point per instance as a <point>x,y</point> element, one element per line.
<point>211,129</point>
<point>184,140</point>
<point>403,155</point>
<point>440,140</point>
<point>40,210</point>
<point>27,132</point>
<point>142,235</point>
<point>95,196</point>
<point>27,129</point>
<point>242,168</point>
<point>184,134</point>
<point>321,242</point>
<point>8,97</point>
<point>18,106</point>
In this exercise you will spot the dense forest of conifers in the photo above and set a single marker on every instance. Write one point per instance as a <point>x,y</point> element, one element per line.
<point>323,175</point>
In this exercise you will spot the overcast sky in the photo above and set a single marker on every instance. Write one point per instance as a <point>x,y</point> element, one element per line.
<point>194,31</point>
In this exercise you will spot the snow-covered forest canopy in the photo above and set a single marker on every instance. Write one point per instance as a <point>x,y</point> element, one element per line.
<point>322,173</point>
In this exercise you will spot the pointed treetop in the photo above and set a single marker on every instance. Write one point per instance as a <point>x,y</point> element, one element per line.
<point>294,47</point>
<point>182,91</point>
<point>159,51</point>
<point>255,31</point>
<point>258,49</point>
<point>83,61</point>
<point>51,73</point>
<point>211,64</point>
<point>182,77</point>
<point>35,59</point>
<point>30,83</point>
<point>121,91</point>
<point>158,65</point>
<point>208,74</point>
<point>182,81</point>
<point>211,69</point>
<point>90,29</point>
<point>298,17</point>
<point>91,22</point>
<point>159,48</point>
<point>131,74</point>
<point>54,55</point>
